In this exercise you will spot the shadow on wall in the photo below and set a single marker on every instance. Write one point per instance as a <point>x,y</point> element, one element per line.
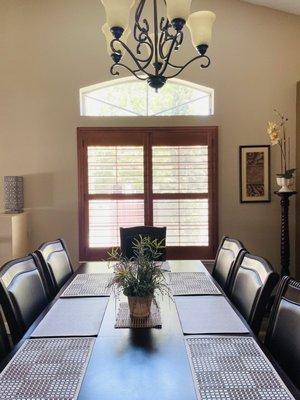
<point>51,223</point>
<point>38,190</point>
<point>47,222</point>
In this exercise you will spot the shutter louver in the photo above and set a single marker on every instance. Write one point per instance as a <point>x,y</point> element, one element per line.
<point>164,177</point>
<point>179,172</point>
<point>114,171</point>
<point>180,169</point>
<point>186,221</point>
<point>110,170</point>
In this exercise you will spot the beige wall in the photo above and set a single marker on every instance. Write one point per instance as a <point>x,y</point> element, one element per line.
<point>49,49</point>
<point>298,186</point>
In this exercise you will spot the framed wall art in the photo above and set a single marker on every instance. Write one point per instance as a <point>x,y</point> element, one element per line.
<point>255,174</point>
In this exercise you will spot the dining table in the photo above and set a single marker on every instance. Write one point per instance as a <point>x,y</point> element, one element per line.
<point>200,338</point>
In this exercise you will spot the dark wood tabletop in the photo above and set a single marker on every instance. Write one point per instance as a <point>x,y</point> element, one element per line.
<point>139,364</point>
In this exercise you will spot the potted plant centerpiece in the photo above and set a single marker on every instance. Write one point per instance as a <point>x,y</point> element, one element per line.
<point>278,137</point>
<point>139,277</point>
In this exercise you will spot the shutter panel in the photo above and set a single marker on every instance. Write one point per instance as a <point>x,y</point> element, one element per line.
<point>180,172</point>
<point>114,171</point>
<point>180,169</point>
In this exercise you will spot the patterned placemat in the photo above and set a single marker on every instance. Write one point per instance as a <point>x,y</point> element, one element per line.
<point>233,368</point>
<point>124,320</point>
<point>89,285</point>
<point>164,265</point>
<point>46,369</point>
<point>192,283</point>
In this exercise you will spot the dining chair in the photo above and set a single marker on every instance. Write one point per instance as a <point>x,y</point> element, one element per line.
<point>283,333</point>
<point>56,264</point>
<point>23,295</point>
<point>253,282</point>
<point>129,235</point>
<point>226,258</point>
<point>4,341</point>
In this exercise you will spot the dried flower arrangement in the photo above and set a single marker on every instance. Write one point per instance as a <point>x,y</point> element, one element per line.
<point>278,136</point>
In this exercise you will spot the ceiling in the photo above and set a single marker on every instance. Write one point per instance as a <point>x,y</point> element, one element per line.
<point>291,6</point>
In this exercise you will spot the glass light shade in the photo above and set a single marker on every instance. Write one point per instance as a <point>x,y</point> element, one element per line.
<point>200,25</point>
<point>178,9</point>
<point>109,37</point>
<point>118,12</point>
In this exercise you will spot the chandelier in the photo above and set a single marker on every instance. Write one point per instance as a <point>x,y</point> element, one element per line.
<point>152,58</point>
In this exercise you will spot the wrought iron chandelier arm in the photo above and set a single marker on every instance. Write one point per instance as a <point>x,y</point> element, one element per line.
<point>167,58</point>
<point>164,24</point>
<point>163,43</point>
<point>168,37</point>
<point>138,29</point>
<point>136,60</point>
<point>182,67</point>
<point>140,34</point>
<point>133,72</point>
<point>147,60</point>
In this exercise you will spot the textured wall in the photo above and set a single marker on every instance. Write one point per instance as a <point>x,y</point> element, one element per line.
<point>50,49</point>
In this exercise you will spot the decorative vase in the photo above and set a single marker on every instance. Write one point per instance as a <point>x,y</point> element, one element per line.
<point>13,194</point>
<point>286,184</point>
<point>140,307</point>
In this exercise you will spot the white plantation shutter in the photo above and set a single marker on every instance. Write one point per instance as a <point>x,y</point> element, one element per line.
<point>133,176</point>
<point>114,170</point>
<point>186,221</point>
<point>177,171</point>
<point>107,216</point>
<point>180,169</point>
<point>110,169</point>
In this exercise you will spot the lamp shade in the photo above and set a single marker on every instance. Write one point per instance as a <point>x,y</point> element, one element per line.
<point>118,12</point>
<point>109,37</point>
<point>13,194</point>
<point>200,25</point>
<point>178,9</point>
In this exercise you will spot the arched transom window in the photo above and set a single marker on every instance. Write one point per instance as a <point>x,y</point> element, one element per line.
<point>130,97</point>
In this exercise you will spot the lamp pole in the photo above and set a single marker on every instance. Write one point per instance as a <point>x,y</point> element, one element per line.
<point>285,232</point>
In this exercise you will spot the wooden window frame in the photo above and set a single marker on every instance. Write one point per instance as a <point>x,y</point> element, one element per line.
<point>148,137</point>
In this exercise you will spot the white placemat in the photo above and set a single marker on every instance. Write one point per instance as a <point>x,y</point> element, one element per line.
<point>192,283</point>
<point>164,265</point>
<point>73,317</point>
<point>89,285</point>
<point>233,368</point>
<point>46,369</point>
<point>208,314</point>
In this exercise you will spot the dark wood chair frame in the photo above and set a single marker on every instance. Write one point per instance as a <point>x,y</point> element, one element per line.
<point>263,296</point>
<point>89,268</point>
<point>228,283</point>
<point>47,271</point>
<point>288,289</point>
<point>12,315</point>
<point>285,284</point>
<point>152,231</point>
<point>4,337</point>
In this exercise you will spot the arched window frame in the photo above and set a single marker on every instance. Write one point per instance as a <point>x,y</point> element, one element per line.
<point>113,83</point>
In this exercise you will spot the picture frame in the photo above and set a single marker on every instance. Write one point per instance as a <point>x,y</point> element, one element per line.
<point>255,182</point>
